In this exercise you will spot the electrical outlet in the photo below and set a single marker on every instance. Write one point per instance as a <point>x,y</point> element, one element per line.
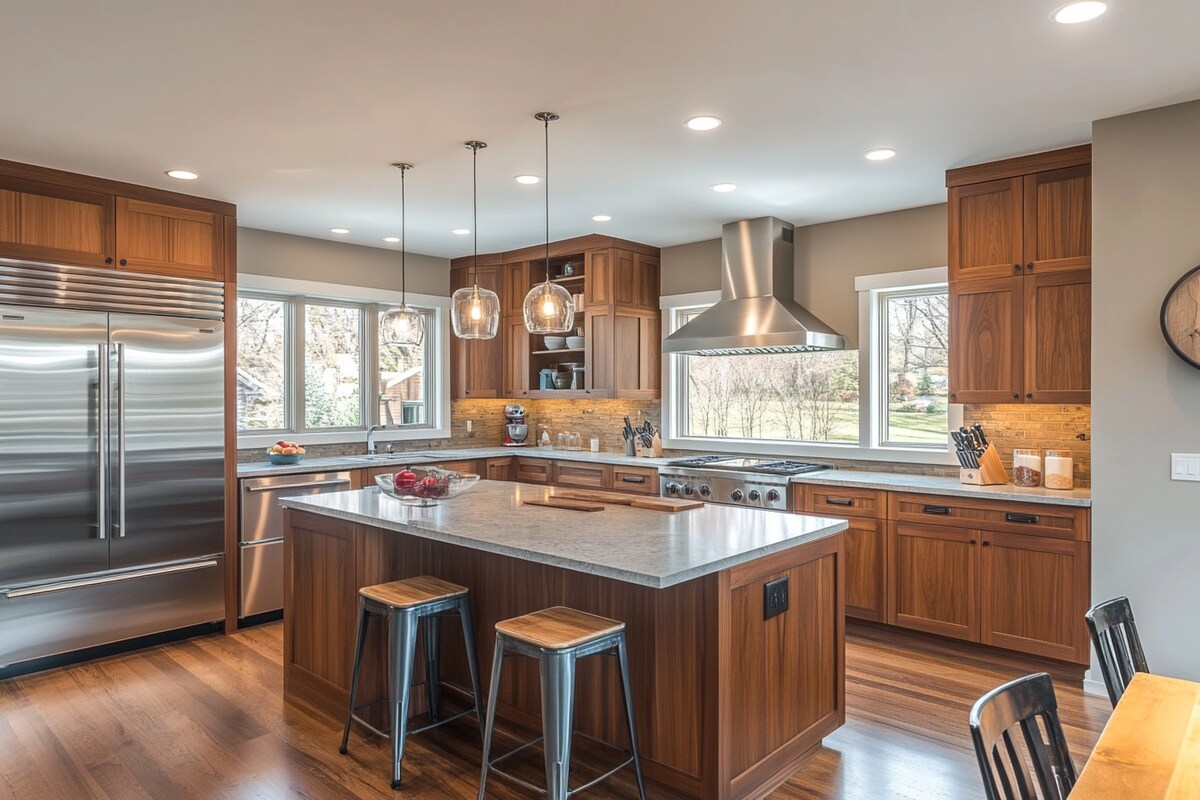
<point>1185,467</point>
<point>470,424</point>
<point>775,597</point>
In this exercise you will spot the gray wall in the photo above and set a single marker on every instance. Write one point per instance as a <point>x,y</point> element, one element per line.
<point>1145,401</point>
<point>283,255</point>
<point>828,258</point>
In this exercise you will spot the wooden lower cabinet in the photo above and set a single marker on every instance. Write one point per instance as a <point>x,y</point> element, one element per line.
<point>533,470</point>
<point>500,469</point>
<point>582,476</point>
<point>1035,591</point>
<point>635,480</point>
<point>866,569</point>
<point>935,579</point>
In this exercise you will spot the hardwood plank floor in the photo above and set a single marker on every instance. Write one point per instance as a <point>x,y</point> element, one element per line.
<point>205,718</point>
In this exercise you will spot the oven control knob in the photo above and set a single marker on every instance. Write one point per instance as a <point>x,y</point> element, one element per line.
<point>688,489</point>
<point>754,496</point>
<point>672,488</point>
<point>773,496</point>
<point>705,490</point>
<point>736,495</point>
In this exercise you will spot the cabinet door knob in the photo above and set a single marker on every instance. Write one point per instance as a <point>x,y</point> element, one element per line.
<point>972,541</point>
<point>1029,266</point>
<point>1029,395</point>
<point>1016,396</point>
<point>123,262</point>
<point>108,260</point>
<point>1016,267</point>
<point>986,543</point>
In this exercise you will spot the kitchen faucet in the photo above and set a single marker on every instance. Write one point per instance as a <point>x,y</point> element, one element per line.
<point>371,438</point>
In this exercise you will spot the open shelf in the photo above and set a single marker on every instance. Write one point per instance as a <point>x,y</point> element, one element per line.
<point>560,350</point>
<point>568,279</point>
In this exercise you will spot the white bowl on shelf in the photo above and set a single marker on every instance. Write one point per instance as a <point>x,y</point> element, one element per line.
<point>575,342</point>
<point>555,342</point>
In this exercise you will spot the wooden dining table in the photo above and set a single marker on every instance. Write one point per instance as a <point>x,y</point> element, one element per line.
<point>1150,748</point>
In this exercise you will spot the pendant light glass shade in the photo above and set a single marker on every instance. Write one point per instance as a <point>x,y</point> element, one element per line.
<point>403,326</point>
<point>548,307</point>
<point>475,312</point>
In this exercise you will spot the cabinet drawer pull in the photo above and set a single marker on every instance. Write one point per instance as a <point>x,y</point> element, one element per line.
<point>1027,519</point>
<point>633,478</point>
<point>941,511</point>
<point>839,501</point>
<point>986,543</point>
<point>970,541</point>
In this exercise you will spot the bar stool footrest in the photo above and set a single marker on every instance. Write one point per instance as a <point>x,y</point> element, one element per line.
<point>491,765</point>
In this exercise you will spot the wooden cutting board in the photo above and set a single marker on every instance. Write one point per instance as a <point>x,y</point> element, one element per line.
<point>572,505</point>
<point>632,500</point>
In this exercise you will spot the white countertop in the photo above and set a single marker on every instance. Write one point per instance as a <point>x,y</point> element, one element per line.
<point>930,484</point>
<point>650,548</point>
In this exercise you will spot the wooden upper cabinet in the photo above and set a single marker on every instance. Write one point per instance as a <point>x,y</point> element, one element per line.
<point>1058,220</point>
<point>986,335</point>
<point>476,363</point>
<point>1058,337</point>
<point>598,289</point>
<point>935,579</point>
<point>986,229</point>
<point>516,284</point>
<point>45,222</point>
<point>516,380</point>
<point>167,240</point>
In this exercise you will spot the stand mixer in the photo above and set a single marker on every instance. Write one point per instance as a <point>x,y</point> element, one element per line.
<point>516,428</point>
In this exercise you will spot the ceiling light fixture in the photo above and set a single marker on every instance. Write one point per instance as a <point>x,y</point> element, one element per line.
<point>548,306</point>
<point>1080,11</point>
<point>703,123</point>
<point>475,312</point>
<point>391,239</point>
<point>461,231</point>
<point>528,180</point>
<point>182,174</point>
<point>403,326</point>
<point>879,154</point>
<point>602,218</point>
<point>724,187</point>
<point>339,231</point>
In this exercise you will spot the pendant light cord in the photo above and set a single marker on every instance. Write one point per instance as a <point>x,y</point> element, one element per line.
<point>475,215</point>
<point>546,182</point>
<point>403,244</point>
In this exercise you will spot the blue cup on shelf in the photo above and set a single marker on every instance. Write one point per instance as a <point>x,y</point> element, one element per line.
<point>546,379</point>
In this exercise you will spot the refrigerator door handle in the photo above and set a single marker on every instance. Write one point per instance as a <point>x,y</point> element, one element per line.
<point>120,525</point>
<point>285,486</point>
<point>47,588</point>
<point>102,440</point>
<point>261,542</point>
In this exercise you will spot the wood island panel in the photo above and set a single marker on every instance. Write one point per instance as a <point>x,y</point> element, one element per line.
<point>727,704</point>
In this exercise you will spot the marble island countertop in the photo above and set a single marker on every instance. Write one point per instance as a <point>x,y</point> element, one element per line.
<point>650,548</point>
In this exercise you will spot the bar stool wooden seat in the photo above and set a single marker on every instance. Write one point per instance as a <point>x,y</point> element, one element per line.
<point>558,637</point>
<point>410,605</point>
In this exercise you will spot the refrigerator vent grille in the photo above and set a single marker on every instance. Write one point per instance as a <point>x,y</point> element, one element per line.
<point>60,286</point>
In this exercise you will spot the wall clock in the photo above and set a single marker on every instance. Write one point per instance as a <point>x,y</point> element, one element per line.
<point>1180,318</point>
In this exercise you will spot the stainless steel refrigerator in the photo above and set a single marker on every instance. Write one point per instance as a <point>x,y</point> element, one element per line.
<point>111,458</point>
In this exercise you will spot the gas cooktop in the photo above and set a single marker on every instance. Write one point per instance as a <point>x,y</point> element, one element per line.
<point>765,466</point>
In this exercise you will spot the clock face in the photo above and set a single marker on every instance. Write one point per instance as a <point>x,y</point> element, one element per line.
<point>1181,318</point>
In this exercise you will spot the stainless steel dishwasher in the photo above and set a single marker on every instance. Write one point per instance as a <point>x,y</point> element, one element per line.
<point>260,534</point>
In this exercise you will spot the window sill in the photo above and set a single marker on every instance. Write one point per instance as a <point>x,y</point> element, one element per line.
<point>846,452</point>
<point>248,440</point>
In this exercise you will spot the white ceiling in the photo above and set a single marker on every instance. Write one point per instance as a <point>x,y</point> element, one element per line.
<point>293,109</point>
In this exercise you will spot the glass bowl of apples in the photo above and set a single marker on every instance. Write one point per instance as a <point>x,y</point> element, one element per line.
<point>425,486</point>
<point>284,453</point>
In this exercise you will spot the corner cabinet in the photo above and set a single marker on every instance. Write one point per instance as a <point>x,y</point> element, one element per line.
<point>1020,279</point>
<point>476,363</point>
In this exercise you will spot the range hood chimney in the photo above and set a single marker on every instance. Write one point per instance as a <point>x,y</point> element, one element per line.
<point>757,313</point>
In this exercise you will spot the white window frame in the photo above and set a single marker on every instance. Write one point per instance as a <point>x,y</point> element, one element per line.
<point>437,359</point>
<point>871,392</point>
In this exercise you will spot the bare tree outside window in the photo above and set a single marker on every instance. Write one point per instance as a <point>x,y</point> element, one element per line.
<point>915,345</point>
<point>262,364</point>
<point>332,371</point>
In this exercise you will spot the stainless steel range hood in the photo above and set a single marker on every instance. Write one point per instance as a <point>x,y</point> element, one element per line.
<point>757,313</point>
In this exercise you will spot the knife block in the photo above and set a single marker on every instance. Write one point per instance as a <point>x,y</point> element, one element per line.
<point>654,451</point>
<point>991,471</point>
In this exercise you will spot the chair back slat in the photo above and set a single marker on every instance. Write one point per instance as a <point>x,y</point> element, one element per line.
<point>1118,646</point>
<point>1019,742</point>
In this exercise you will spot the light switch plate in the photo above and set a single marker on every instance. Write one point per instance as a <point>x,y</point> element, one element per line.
<point>1185,467</point>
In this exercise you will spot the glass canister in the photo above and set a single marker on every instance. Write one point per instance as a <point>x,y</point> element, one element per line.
<point>1060,469</point>
<point>1027,468</point>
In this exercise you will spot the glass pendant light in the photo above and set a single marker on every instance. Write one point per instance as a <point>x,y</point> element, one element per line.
<point>548,306</point>
<point>475,312</point>
<point>402,326</point>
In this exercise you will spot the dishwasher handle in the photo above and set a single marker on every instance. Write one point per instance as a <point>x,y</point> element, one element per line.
<point>285,486</point>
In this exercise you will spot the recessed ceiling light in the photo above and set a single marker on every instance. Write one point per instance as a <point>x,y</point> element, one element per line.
<point>724,187</point>
<point>528,180</point>
<point>602,218</point>
<point>461,231</point>
<point>391,239</point>
<point>703,123</point>
<point>879,154</point>
<point>1080,11</point>
<point>182,174</point>
<point>339,231</point>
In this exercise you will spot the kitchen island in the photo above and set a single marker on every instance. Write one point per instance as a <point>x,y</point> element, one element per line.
<point>728,703</point>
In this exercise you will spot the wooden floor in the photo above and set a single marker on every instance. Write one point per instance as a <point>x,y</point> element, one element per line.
<point>205,718</point>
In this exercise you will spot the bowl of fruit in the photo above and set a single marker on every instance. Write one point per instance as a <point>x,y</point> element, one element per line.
<point>425,486</point>
<point>284,453</point>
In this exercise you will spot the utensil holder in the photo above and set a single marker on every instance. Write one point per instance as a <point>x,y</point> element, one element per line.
<point>991,470</point>
<point>654,451</point>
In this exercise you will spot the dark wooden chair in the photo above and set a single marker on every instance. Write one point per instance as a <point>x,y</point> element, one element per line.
<point>1118,646</point>
<point>1019,742</point>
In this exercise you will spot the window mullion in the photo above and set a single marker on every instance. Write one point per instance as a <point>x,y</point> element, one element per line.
<point>296,406</point>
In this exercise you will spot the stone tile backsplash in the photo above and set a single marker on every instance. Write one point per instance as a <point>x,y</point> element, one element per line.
<point>1040,427</point>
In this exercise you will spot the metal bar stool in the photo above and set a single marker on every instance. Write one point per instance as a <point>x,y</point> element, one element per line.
<point>409,605</point>
<point>557,638</point>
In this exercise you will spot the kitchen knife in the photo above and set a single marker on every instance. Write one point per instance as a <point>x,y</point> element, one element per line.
<point>983,440</point>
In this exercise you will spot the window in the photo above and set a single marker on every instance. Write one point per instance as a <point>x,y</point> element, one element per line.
<point>892,394</point>
<point>805,397</point>
<point>308,365</point>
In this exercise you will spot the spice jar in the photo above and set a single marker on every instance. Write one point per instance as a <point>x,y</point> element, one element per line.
<point>1027,468</point>
<point>1060,469</point>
